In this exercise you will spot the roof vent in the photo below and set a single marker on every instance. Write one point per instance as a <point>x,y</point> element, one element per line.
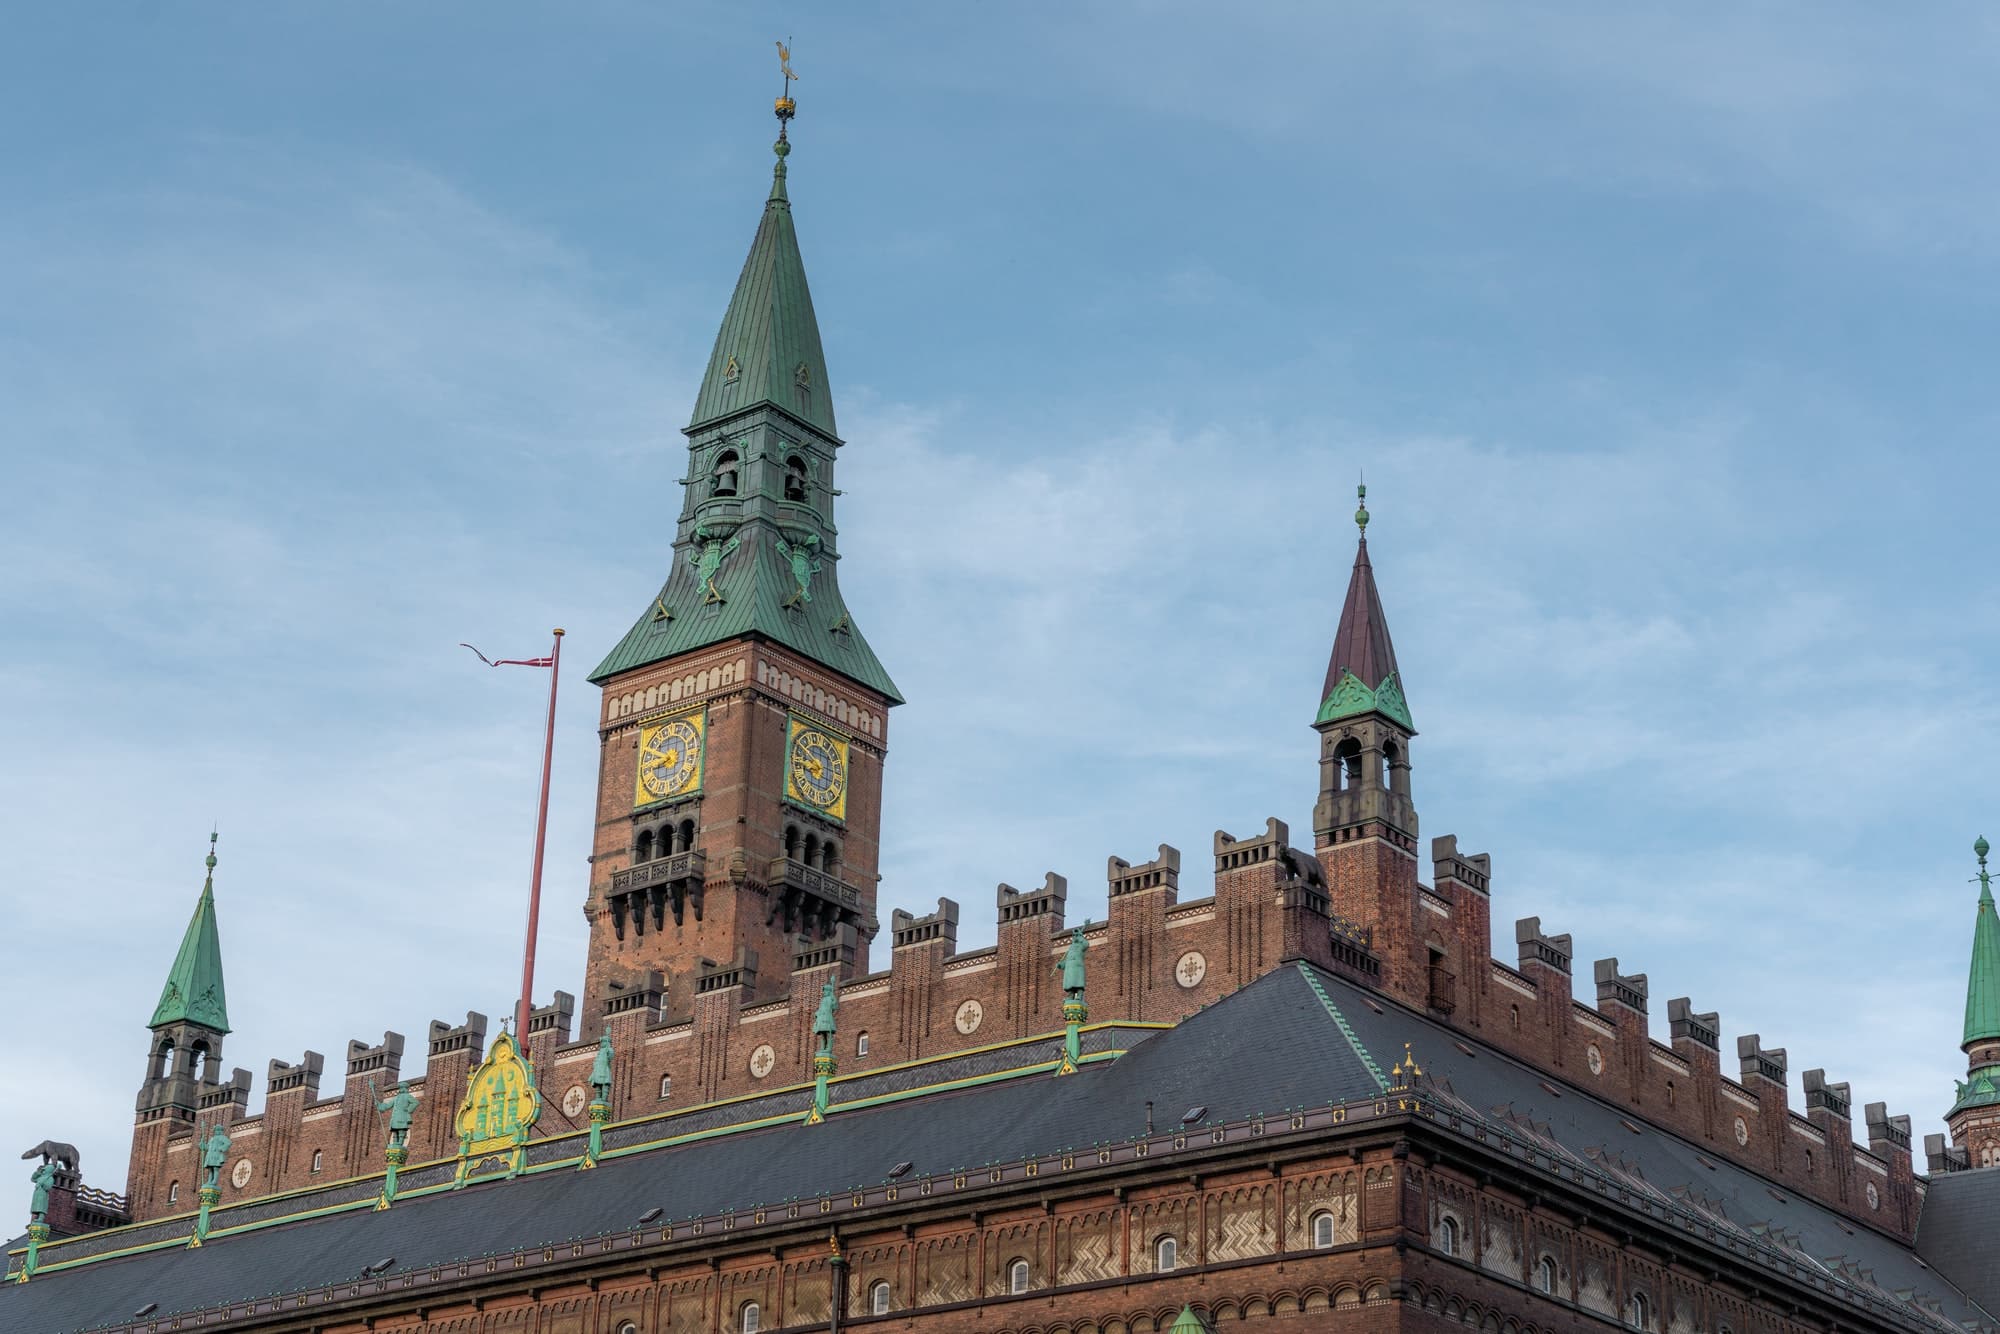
<point>1194,1114</point>
<point>381,1266</point>
<point>898,1170</point>
<point>651,1215</point>
<point>145,1310</point>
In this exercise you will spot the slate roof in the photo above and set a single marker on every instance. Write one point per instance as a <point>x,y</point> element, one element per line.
<point>1959,1232</point>
<point>1319,1040</point>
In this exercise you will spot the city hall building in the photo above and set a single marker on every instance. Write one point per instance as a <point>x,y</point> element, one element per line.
<point>1312,1099</point>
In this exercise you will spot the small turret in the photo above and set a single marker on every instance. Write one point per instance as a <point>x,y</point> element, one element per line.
<point>192,1017</point>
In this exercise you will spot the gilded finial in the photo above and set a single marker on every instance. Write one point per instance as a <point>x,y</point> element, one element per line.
<point>785,106</point>
<point>1361,513</point>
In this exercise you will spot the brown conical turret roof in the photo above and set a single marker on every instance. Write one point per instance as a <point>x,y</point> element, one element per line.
<point>1361,675</point>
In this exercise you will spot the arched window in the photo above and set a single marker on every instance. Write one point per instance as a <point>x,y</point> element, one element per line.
<point>829,858</point>
<point>1445,1235</point>
<point>1514,1021</point>
<point>316,1159</point>
<point>1347,760</point>
<point>878,1299</point>
<point>1545,1274</point>
<point>1322,1230</point>
<point>1670,1093</point>
<point>1390,754</point>
<point>173,1192</point>
<point>1165,1251</point>
<point>685,840</point>
<point>1809,1164</point>
<point>163,1060</point>
<point>627,1327</point>
<point>642,851</point>
<point>666,1087</point>
<point>795,478</point>
<point>792,841</point>
<point>725,474</point>
<point>812,850</point>
<point>198,1064</point>
<point>1639,1312</point>
<point>1017,1277</point>
<point>861,1044</point>
<point>752,1318</point>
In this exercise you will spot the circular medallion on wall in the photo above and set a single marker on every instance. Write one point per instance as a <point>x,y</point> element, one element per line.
<point>1742,1131</point>
<point>763,1060</point>
<point>574,1101</point>
<point>968,1016</point>
<point>1191,969</point>
<point>1594,1059</point>
<point>239,1175</point>
<point>1874,1197</point>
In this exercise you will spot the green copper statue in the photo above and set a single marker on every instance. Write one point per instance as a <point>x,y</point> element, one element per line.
<point>1072,965</point>
<point>600,1070</point>
<point>401,1107</point>
<point>823,1020</point>
<point>214,1152</point>
<point>44,1177</point>
<point>709,559</point>
<point>802,556</point>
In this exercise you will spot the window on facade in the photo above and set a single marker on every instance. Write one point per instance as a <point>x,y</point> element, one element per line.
<point>628,1328</point>
<point>1639,1312</point>
<point>1545,1274</point>
<point>316,1159</point>
<point>1445,1235</point>
<point>1670,1093</point>
<point>878,1299</point>
<point>643,850</point>
<point>1017,1276</point>
<point>1809,1164</point>
<point>1322,1226</point>
<point>861,1044</point>
<point>173,1191</point>
<point>666,1087</point>
<point>1514,1015</point>
<point>1165,1252</point>
<point>753,1318</point>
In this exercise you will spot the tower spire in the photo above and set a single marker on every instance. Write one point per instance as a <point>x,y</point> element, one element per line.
<point>1361,675</point>
<point>1982,986</point>
<point>194,992</point>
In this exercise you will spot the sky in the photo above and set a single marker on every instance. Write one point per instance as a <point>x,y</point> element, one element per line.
<point>332,335</point>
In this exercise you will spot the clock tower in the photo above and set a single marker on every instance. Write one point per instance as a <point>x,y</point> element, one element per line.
<point>744,718</point>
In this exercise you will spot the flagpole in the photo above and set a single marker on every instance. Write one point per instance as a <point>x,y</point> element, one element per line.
<point>522,1007</point>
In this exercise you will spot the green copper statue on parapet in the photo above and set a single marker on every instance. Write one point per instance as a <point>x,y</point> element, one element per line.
<point>1072,965</point>
<point>600,1069</point>
<point>38,1206</point>
<point>401,1107</point>
<point>214,1152</point>
<point>823,1030</point>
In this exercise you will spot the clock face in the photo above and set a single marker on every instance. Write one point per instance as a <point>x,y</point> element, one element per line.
<point>669,758</point>
<point>816,770</point>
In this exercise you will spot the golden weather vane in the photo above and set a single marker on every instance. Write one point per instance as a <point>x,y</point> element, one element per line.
<point>786,107</point>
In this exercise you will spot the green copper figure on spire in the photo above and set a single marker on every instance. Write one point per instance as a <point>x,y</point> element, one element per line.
<point>600,1100</point>
<point>823,1029</point>
<point>214,1153</point>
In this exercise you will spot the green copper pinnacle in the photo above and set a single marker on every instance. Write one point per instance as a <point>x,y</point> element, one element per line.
<point>194,992</point>
<point>1361,511</point>
<point>1982,988</point>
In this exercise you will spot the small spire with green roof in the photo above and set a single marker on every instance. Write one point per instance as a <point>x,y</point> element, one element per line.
<point>1982,987</point>
<point>194,992</point>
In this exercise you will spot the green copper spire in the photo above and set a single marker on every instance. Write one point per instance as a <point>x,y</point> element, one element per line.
<point>754,551</point>
<point>194,991</point>
<point>1982,988</point>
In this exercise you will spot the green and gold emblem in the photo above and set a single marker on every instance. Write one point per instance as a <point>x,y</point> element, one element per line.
<point>816,768</point>
<point>670,752</point>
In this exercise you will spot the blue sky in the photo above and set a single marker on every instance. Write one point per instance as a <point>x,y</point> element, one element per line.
<point>332,335</point>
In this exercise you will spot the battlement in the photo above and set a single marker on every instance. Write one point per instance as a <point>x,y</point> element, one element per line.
<point>1157,959</point>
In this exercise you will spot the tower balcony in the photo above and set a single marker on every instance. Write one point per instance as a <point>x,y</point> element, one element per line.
<point>653,888</point>
<point>813,901</point>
